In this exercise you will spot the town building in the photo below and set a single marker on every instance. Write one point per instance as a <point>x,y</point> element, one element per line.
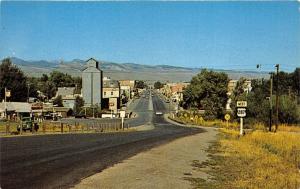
<point>111,95</point>
<point>92,84</point>
<point>174,91</point>
<point>68,96</point>
<point>15,109</point>
<point>127,89</point>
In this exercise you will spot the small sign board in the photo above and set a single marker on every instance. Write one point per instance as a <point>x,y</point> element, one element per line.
<point>241,104</point>
<point>227,117</point>
<point>241,112</point>
<point>122,114</point>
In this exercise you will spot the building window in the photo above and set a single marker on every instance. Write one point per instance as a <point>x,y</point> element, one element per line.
<point>104,93</point>
<point>112,93</point>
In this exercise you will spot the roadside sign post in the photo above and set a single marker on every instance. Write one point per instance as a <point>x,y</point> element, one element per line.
<point>227,118</point>
<point>241,112</point>
<point>241,126</point>
<point>122,115</point>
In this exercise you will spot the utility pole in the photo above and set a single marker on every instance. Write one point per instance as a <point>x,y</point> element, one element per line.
<point>5,103</point>
<point>271,104</point>
<point>28,92</point>
<point>277,96</point>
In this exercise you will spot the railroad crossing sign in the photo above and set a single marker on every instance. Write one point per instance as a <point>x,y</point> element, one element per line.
<point>227,117</point>
<point>241,112</point>
<point>241,104</point>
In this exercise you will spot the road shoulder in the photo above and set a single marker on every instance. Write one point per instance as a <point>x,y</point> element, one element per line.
<point>166,166</point>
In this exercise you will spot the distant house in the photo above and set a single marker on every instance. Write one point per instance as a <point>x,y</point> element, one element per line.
<point>92,83</point>
<point>111,95</point>
<point>18,109</point>
<point>231,87</point>
<point>65,91</point>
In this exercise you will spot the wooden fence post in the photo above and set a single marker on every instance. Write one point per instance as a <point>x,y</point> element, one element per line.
<point>61,127</point>
<point>7,127</point>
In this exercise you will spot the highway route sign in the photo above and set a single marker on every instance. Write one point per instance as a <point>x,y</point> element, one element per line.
<point>241,104</point>
<point>241,112</point>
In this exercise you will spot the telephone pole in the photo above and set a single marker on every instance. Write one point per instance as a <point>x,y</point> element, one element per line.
<point>271,104</point>
<point>28,86</point>
<point>277,96</point>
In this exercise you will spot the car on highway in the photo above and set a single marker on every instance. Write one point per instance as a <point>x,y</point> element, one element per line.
<point>158,113</point>
<point>28,124</point>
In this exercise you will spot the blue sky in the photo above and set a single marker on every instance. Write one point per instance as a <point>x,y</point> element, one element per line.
<point>221,35</point>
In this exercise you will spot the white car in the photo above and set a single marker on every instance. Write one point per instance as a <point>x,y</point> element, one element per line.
<point>158,113</point>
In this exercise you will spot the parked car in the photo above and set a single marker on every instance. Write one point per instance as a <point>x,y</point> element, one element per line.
<point>28,124</point>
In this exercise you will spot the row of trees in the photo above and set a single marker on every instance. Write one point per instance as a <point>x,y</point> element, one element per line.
<point>208,91</point>
<point>15,80</point>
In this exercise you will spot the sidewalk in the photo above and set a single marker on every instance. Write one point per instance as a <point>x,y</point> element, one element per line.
<point>163,167</point>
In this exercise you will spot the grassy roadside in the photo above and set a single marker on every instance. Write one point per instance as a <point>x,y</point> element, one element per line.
<point>257,160</point>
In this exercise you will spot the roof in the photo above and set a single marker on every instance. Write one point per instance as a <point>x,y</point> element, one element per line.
<point>15,106</point>
<point>92,63</point>
<point>65,91</point>
<point>111,84</point>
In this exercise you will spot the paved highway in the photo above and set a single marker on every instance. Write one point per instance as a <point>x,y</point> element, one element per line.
<point>60,161</point>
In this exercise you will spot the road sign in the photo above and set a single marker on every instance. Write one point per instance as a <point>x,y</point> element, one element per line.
<point>227,117</point>
<point>122,113</point>
<point>241,112</point>
<point>241,104</point>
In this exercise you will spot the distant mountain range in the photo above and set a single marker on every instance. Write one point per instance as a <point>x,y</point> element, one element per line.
<point>124,70</point>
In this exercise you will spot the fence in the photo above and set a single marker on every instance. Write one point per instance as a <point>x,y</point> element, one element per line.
<point>10,128</point>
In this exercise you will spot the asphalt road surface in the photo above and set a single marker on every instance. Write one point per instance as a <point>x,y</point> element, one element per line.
<point>60,161</point>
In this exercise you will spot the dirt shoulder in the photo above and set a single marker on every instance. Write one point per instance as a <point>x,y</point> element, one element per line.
<point>166,166</point>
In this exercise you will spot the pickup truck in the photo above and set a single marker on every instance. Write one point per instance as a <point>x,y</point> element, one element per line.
<point>28,124</point>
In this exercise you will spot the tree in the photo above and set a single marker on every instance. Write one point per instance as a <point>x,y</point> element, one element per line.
<point>158,85</point>
<point>44,78</point>
<point>208,91</point>
<point>48,88</point>
<point>32,83</point>
<point>140,85</point>
<point>79,103</point>
<point>58,101</point>
<point>14,80</point>
<point>289,112</point>
<point>296,83</point>
<point>61,80</point>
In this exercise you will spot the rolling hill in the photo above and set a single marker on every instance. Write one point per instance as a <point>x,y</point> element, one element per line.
<point>124,70</point>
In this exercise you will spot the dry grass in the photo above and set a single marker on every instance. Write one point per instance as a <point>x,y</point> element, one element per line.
<point>257,160</point>
<point>232,125</point>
